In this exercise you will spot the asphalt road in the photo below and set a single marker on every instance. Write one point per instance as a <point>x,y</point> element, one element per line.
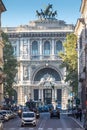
<point>44,123</point>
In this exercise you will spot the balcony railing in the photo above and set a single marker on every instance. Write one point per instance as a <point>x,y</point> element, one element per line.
<point>39,57</point>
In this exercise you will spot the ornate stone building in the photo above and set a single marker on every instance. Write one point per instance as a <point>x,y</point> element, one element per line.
<point>81,32</point>
<point>36,47</point>
<point>2,9</point>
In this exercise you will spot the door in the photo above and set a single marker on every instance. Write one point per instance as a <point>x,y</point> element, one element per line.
<point>47,96</point>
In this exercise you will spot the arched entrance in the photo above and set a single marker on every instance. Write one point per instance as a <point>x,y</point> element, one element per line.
<point>52,72</point>
<point>47,78</point>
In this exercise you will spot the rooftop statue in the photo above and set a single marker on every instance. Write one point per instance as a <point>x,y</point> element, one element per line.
<point>47,13</point>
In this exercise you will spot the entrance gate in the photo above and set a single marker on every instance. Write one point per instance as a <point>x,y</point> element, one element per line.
<point>47,96</point>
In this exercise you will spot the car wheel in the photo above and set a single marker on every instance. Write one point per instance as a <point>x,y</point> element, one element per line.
<point>22,125</point>
<point>34,125</point>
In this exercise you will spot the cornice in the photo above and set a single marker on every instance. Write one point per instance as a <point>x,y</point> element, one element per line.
<point>2,7</point>
<point>37,34</point>
<point>78,27</point>
<point>83,4</point>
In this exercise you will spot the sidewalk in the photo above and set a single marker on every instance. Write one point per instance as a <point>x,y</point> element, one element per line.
<point>80,123</point>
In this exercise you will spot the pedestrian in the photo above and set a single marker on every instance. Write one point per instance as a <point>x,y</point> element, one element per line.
<point>80,114</point>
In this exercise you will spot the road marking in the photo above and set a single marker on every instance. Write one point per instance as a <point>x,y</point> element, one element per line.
<point>40,128</point>
<point>43,129</point>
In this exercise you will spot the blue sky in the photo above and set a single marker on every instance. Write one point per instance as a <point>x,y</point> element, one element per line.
<point>20,12</point>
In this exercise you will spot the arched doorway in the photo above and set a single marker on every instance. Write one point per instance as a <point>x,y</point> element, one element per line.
<point>47,78</point>
<point>52,72</point>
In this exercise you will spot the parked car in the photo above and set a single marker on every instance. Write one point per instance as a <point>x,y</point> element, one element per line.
<point>55,113</point>
<point>28,118</point>
<point>1,125</point>
<point>1,117</point>
<point>5,114</point>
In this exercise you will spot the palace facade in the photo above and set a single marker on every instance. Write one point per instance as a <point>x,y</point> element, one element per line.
<point>36,47</point>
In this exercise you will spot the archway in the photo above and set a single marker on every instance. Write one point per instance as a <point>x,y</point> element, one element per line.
<point>47,71</point>
<point>47,78</point>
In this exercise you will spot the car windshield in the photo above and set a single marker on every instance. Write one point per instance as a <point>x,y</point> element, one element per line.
<point>28,114</point>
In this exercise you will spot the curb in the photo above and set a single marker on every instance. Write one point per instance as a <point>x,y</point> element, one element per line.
<point>79,123</point>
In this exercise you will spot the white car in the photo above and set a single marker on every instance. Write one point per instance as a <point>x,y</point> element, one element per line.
<point>28,118</point>
<point>1,125</point>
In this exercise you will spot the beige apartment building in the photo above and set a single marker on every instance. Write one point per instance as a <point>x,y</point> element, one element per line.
<point>81,32</point>
<point>2,9</point>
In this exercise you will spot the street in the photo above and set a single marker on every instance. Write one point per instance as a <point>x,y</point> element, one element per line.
<point>45,123</point>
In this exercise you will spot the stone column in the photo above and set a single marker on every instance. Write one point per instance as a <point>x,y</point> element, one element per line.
<point>55,93</point>
<point>21,72</point>
<point>42,95</point>
<point>17,45</point>
<point>39,94</point>
<point>52,47</point>
<point>20,45</point>
<point>29,49</point>
<point>20,95</point>
<point>40,44</point>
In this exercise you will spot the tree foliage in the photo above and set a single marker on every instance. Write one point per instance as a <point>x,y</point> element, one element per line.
<point>69,58</point>
<point>10,65</point>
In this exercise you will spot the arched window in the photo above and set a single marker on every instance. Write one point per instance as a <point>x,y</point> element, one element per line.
<point>34,48</point>
<point>58,47</point>
<point>46,48</point>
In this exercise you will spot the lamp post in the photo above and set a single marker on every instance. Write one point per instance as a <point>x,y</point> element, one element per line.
<point>82,20</point>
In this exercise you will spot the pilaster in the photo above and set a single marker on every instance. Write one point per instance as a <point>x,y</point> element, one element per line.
<point>40,49</point>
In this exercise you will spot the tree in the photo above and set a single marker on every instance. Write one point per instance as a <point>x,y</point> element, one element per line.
<point>69,58</point>
<point>10,65</point>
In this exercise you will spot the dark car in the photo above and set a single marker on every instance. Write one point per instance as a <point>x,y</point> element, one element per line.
<point>55,113</point>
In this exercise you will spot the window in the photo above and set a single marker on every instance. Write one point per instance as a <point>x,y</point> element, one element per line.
<point>15,50</point>
<point>35,48</point>
<point>47,48</point>
<point>58,47</point>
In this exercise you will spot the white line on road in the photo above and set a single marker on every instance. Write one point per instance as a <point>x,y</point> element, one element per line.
<point>44,129</point>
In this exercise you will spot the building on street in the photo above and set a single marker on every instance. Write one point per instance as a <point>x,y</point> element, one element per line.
<point>81,32</point>
<point>2,9</point>
<point>36,47</point>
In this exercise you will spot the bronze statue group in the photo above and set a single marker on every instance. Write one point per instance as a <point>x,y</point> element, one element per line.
<point>48,13</point>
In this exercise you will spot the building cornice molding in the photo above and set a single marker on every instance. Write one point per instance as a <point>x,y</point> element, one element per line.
<point>83,4</point>
<point>2,7</point>
<point>38,34</point>
<point>78,27</point>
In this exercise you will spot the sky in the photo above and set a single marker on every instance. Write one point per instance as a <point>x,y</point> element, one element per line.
<point>20,12</point>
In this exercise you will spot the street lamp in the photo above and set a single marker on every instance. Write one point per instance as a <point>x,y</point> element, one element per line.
<point>82,20</point>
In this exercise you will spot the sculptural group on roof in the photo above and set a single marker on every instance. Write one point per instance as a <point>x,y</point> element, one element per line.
<point>48,13</point>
